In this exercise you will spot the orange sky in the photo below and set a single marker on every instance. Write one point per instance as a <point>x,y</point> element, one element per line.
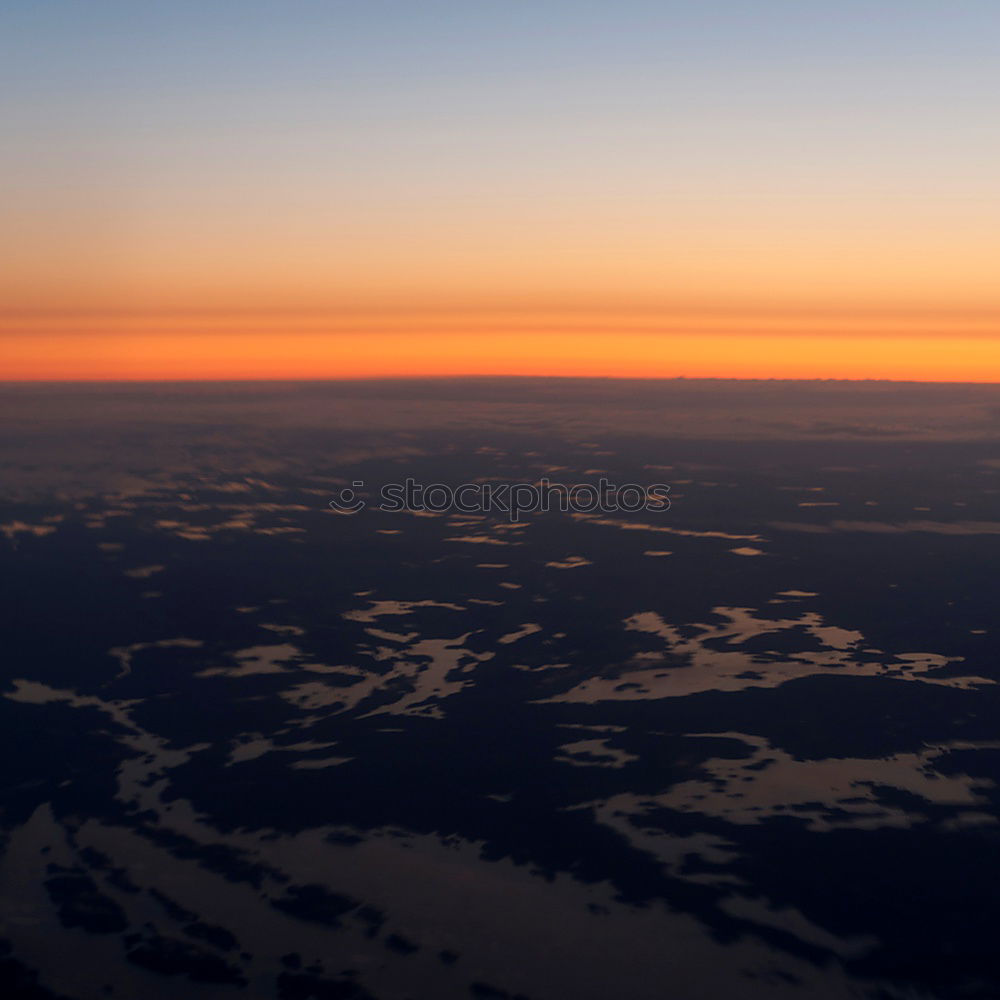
<point>557,188</point>
<point>199,345</point>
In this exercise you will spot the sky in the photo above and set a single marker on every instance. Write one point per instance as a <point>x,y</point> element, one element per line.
<point>305,189</point>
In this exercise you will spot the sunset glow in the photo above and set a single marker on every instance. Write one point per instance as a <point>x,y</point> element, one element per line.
<point>346,189</point>
<point>284,346</point>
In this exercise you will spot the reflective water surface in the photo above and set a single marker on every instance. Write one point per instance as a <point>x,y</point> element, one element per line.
<point>255,747</point>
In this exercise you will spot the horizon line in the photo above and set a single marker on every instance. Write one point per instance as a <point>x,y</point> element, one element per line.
<point>479,376</point>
